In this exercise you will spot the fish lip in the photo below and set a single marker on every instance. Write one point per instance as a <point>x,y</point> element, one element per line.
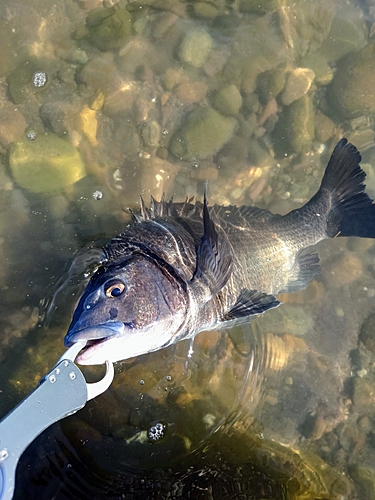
<point>95,334</point>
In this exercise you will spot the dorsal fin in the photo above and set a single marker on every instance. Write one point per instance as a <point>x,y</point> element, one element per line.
<point>214,257</point>
<point>135,218</point>
<point>144,210</point>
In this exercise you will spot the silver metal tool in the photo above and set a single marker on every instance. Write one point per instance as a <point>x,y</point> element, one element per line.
<point>62,392</point>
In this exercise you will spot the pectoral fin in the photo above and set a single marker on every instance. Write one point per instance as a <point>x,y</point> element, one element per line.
<point>214,257</point>
<point>250,303</point>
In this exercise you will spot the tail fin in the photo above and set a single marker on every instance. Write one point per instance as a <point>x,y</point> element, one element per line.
<point>352,211</point>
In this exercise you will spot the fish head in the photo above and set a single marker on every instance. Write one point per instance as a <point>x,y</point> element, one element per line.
<point>128,309</point>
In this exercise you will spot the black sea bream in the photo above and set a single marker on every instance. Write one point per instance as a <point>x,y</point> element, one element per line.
<point>183,268</point>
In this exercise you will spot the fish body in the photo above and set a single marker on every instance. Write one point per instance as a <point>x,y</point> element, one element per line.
<point>183,268</point>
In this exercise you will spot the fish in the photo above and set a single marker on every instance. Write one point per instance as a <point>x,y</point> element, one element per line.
<point>182,268</point>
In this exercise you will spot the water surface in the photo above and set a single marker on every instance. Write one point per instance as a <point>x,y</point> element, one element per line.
<point>103,101</point>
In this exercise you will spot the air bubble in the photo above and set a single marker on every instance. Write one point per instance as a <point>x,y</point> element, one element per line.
<point>142,382</point>
<point>156,432</point>
<point>4,454</point>
<point>39,79</point>
<point>52,379</point>
<point>72,375</point>
<point>168,378</point>
<point>98,195</point>
<point>31,135</point>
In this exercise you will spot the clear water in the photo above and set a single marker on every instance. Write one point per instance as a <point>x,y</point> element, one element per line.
<point>281,408</point>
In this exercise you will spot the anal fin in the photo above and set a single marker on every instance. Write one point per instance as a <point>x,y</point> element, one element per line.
<point>306,267</point>
<point>250,303</point>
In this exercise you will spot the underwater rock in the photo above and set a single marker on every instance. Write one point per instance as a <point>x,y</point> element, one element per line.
<point>324,127</point>
<point>121,98</point>
<point>352,91</point>
<point>205,10</point>
<point>45,164</point>
<point>301,122</point>
<point>292,319</point>
<point>172,77</point>
<point>367,333</point>
<point>139,52</point>
<point>109,27</point>
<point>347,33</point>
<point>298,83</point>
<point>88,123</point>
<point>363,392</point>
<point>344,270</point>
<point>12,124</point>
<point>27,79</point>
<point>296,124</point>
<point>59,110</point>
<point>234,152</point>
<point>228,100</point>
<point>151,133</point>
<point>204,134</point>
<point>305,25</point>
<point>270,84</point>
<point>257,7</point>
<point>100,73</point>
<point>319,64</point>
<point>268,50</point>
<point>364,479</point>
<point>190,92</point>
<point>195,47</point>
<point>157,176</point>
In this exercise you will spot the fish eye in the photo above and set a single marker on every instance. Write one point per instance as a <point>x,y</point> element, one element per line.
<point>114,288</point>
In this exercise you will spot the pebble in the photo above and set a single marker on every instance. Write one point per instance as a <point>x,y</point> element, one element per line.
<point>158,175</point>
<point>363,395</point>
<point>120,98</point>
<point>208,173</point>
<point>190,92</point>
<point>59,111</point>
<point>367,333</point>
<point>26,80</point>
<point>12,124</point>
<point>352,92</point>
<point>46,164</point>
<point>270,84</point>
<point>228,100</point>
<point>195,47</point>
<point>204,134</point>
<point>205,10</point>
<point>297,123</point>
<point>109,27</point>
<point>324,127</point>
<point>297,84</point>
<point>364,480</point>
<point>319,64</point>
<point>346,269</point>
<point>151,133</point>
<point>100,73</point>
<point>89,123</point>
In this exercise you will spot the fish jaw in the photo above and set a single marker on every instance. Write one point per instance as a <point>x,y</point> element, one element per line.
<point>115,341</point>
<point>95,336</point>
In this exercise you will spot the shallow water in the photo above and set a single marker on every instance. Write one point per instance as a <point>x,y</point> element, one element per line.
<point>101,102</point>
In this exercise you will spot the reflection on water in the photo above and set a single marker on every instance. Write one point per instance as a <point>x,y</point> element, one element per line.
<point>103,101</point>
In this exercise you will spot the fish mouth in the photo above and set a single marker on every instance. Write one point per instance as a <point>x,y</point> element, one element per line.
<point>94,334</point>
<point>95,338</point>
